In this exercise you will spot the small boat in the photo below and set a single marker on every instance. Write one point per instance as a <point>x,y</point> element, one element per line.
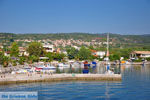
<point>45,68</point>
<point>86,68</point>
<point>63,66</point>
<point>109,72</point>
<point>128,63</point>
<point>93,65</point>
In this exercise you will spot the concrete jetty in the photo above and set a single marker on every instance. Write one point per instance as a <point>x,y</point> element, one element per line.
<point>26,78</point>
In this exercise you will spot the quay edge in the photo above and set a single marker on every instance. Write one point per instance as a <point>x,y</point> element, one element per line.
<point>59,78</point>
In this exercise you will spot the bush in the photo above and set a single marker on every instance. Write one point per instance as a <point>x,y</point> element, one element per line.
<point>22,60</point>
<point>100,59</point>
<point>32,59</point>
<point>148,59</point>
<point>114,57</point>
<point>138,60</point>
<point>14,63</point>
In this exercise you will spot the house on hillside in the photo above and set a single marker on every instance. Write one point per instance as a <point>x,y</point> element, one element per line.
<point>22,51</point>
<point>140,54</point>
<point>48,47</point>
<point>7,53</point>
<point>100,54</point>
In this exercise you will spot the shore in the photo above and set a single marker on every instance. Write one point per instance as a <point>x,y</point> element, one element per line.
<point>26,78</point>
<point>131,63</point>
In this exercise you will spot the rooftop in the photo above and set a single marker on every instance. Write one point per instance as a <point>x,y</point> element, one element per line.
<point>142,52</point>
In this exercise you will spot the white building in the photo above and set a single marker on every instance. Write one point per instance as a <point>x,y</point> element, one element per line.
<point>101,54</point>
<point>22,51</point>
<point>48,47</point>
<point>142,54</point>
<point>76,47</point>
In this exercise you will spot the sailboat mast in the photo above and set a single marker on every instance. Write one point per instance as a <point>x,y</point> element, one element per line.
<point>107,44</point>
<point>107,56</point>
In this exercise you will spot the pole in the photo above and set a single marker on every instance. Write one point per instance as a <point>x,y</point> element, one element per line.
<point>107,44</point>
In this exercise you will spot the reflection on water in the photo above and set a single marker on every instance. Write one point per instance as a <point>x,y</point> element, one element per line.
<point>100,69</point>
<point>135,85</point>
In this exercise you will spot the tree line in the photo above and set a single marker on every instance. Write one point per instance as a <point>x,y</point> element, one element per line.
<point>36,50</point>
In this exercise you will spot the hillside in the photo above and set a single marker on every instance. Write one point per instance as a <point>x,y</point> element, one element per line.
<point>117,39</point>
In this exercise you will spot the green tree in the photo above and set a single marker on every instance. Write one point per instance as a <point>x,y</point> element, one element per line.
<point>35,48</point>
<point>14,51</point>
<point>1,57</point>
<point>114,57</point>
<point>84,54</point>
<point>22,59</point>
<point>32,59</point>
<point>50,55</point>
<point>4,60</point>
<point>72,53</point>
<point>59,56</point>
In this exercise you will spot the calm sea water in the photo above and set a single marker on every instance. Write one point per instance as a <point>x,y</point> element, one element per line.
<point>135,85</point>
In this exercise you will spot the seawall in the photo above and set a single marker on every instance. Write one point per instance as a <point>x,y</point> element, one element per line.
<point>24,78</point>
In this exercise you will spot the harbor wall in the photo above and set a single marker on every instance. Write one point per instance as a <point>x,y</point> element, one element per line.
<point>15,79</point>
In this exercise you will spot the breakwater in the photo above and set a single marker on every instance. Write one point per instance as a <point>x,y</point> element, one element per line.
<point>24,78</point>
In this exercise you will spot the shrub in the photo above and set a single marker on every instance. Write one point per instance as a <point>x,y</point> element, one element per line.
<point>148,59</point>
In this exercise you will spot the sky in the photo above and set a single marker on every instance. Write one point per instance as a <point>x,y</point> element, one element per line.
<point>92,16</point>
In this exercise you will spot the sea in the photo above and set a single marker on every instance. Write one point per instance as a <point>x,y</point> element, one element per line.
<point>135,85</point>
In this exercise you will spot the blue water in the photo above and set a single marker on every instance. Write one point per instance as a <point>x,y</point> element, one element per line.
<point>135,85</point>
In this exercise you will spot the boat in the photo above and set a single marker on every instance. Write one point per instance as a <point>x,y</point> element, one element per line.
<point>94,65</point>
<point>63,66</point>
<point>86,68</point>
<point>45,68</point>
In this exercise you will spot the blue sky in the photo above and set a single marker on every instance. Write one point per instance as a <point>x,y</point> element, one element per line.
<point>96,16</point>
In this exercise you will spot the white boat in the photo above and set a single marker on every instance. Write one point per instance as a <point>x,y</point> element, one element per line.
<point>20,71</point>
<point>46,68</point>
<point>128,63</point>
<point>63,66</point>
<point>109,72</point>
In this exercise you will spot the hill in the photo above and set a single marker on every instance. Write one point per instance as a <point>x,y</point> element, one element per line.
<point>117,39</point>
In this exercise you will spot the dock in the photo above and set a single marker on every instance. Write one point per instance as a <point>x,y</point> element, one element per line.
<point>32,78</point>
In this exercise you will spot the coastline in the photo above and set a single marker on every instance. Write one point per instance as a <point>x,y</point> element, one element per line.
<point>32,78</point>
<point>132,63</point>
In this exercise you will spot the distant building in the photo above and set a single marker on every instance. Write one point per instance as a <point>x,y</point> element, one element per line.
<point>48,47</point>
<point>100,54</point>
<point>76,47</point>
<point>7,53</point>
<point>22,51</point>
<point>1,47</point>
<point>140,54</point>
<point>64,52</point>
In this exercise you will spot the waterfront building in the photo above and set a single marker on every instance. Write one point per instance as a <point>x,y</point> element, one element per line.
<point>48,47</point>
<point>140,54</point>
<point>100,54</point>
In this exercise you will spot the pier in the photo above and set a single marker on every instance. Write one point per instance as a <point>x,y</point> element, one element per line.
<point>24,78</point>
